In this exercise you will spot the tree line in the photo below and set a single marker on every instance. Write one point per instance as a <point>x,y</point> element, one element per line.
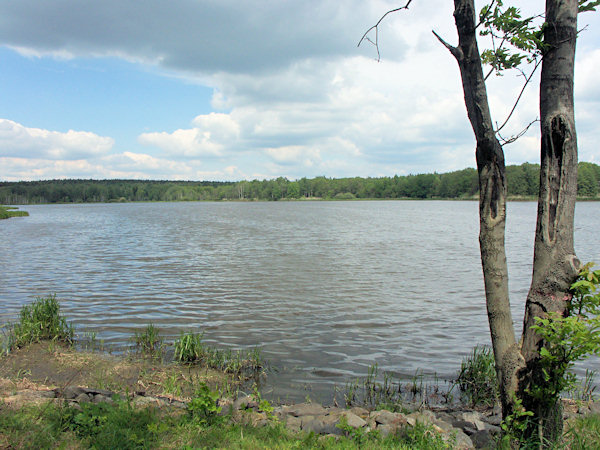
<point>522,180</point>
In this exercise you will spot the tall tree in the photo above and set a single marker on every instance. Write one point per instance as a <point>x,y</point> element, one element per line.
<point>555,266</point>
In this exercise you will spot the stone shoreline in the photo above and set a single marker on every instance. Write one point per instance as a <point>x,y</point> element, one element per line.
<point>465,428</point>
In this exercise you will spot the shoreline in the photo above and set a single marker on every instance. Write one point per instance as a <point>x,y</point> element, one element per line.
<point>50,372</point>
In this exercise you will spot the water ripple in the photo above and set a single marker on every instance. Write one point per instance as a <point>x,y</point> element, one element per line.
<point>324,289</point>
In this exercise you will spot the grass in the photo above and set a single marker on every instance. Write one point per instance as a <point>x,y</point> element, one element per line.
<point>121,425</point>
<point>191,349</point>
<point>372,393</point>
<point>377,391</point>
<point>584,433</point>
<point>477,377</point>
<point>7,212</point>
<point>40,321</point>
<point>149,341</point>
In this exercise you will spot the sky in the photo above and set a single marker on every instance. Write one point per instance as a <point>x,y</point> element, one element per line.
<point>254,89</point>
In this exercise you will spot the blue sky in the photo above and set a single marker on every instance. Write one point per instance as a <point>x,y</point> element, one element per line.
<point>224,90</point>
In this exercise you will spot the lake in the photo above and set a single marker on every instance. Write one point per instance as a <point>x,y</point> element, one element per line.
<point>324,289</point>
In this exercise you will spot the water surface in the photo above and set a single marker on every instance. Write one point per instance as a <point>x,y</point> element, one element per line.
<point>324,289</point>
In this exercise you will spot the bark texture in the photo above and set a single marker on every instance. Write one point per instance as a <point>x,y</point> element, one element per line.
<point>492,202</point>
<point>555,265</point>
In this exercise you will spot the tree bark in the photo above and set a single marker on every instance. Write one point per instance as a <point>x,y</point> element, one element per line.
<point>555,265</point>
<point>492,203</point>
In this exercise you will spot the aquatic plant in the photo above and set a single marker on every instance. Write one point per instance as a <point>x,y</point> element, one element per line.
<point>190,349</point>
<point>149,341</point>
<point>40,321</point>
<point>477,377</point>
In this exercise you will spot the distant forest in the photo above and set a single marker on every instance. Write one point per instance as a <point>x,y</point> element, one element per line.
<point>523,181</point>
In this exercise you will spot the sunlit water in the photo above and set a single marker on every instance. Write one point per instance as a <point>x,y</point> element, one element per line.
<point>324,289</point>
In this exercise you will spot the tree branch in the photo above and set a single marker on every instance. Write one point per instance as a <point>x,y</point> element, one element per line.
<point>456,52</point>
<point>510,140</point>
<point>527,80</point>
<point>376,28</point>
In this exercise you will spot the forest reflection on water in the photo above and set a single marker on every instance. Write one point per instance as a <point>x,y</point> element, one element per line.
<point>324,289</point>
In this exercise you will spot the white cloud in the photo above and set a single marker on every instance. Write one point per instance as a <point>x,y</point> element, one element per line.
<point>17,140</point>
<point>191,143</point>
<point>294,94</point>
<point>295,155</point>
<point>210,135</point>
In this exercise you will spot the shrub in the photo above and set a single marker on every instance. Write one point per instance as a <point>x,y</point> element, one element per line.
<point>41,321</point>
<point>568,339</point>
<point>203,407</point>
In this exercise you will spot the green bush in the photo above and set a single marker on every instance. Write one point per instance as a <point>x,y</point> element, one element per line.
<point>203,406</point>
<point>568,339</point>
<point>41,321</point>
<point>109,426</point>
<point>477,377</point>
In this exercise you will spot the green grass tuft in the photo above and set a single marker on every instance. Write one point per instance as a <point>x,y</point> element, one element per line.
<point>477,377</point>
<point>190,349</point>
<point>40,321</point>
<point>149,341</point>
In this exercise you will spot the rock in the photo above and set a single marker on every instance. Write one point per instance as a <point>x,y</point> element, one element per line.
<point>46,394</point>
<point>461,441</point>
<point>82,398</point>
<point>360,412</point>
<point>482,439</point>
<point>383,417</point>
<point>475,419</point>
<point>353,420</point>
<point>293,423</point>
<point>304,409</point>
<point>99,398</point>
<point>70,392</point>
<point>247,402</point>
<point>387,429</point>
<point>495,419</point>
<point>103,392</point>
<point>258,419</point>
<point>145,401</point>
<point>323,425</point>
<point>445,416</point>
<point>442,425</point>
<point>595,408</point>
<point>424,417</point>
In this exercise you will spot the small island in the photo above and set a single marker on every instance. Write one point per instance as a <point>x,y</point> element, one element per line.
<point>6,212</point>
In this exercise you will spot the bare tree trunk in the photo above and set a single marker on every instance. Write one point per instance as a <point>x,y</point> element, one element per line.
<point>492,203</point>
<point>555,265</point>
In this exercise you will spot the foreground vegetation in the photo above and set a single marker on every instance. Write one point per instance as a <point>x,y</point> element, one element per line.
<point>121,423</point>
<point>522,181</point>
